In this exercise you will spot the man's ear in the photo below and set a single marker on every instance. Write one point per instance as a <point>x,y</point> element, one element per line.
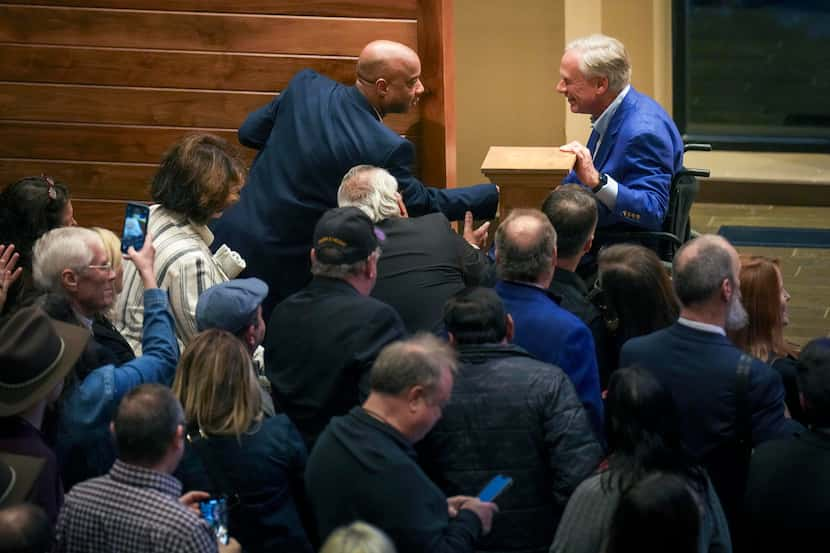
<point>601,85</point>
<point>414,396</point>
<point>510,328</point>
<point>451,338</point>
<point>382,87</point>
<point>589,244</point>
<point>727,289</point>
<point>401,205</point>
<point>112,429</point>
<point>178,438</point>
<point>69,280</point>
<point>250,336</point>
<point>313,256</point>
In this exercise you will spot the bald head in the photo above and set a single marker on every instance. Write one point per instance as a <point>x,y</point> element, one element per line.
<point>24,528</point>
<point>701,266</point>
<point>526,247</point>
<point>389,75</point>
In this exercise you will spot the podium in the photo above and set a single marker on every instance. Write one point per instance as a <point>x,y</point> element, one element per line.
<point>525,175</point>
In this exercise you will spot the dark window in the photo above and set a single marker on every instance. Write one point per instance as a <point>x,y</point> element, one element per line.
<point>753,74</point>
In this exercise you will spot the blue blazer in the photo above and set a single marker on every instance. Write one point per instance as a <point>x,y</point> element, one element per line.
<point>308,137</point>
<point>642,151</point>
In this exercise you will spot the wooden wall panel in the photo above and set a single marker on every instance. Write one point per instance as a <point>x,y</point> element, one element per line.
<point>390,9</point>
<point>197,31</point>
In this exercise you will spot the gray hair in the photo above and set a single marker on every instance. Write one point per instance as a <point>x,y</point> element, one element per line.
<point>603,56</point>
<point>700,267</point>
<point>524,258</point>
<point>417,361</point>
<point>371,189</point>
<point>344,270</point>
<point>59,249</point>
<point>358,537</point>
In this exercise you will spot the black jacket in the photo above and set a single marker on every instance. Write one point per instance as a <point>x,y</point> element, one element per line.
<point>363,469</point>
<point>319,346</point>
<point>514,415</point>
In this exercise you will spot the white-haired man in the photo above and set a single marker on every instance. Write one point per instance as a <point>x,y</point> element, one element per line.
<point>424,261</point>
<point>634,149</point>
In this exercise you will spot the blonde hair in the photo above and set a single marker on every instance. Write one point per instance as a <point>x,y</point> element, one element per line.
<point>358,537</point>
<point>112,245</point>
<point>216,386</point>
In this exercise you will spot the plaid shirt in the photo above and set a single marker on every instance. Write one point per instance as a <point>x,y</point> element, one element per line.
<point>130,509</point>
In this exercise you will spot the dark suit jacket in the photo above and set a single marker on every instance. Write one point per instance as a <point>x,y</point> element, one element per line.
<point>309,136</point>
<point>319,346</point>
<point>424,262</point>
<point>788,493</point>
<point>642,151</point>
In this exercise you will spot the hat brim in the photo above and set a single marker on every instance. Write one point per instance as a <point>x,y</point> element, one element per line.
<point>74,339</point>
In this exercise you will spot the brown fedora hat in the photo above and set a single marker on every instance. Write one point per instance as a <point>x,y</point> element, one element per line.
<point>35,354</point>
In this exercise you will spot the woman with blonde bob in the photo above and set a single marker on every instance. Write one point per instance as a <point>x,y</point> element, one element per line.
<point>256,463</point>
<point>358,537</point>
<point>765,299</point>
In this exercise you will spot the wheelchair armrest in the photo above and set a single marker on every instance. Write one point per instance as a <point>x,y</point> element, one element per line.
<point>697,147</point>
<point>693,173</point>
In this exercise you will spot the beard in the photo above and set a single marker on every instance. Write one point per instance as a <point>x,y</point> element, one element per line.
<point>737,317</point>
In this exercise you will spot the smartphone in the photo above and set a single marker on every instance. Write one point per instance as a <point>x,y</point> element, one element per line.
<point>494,487</point>
<point>135,226</point>
<point>215,513</point>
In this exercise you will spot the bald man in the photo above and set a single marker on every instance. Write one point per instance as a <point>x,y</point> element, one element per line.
<point>308,137</point>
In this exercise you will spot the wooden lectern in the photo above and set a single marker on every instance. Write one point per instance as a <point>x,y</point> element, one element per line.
<point>525,175</point>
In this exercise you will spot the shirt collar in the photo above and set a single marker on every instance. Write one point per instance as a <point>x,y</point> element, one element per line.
<point>703,327</point>
<point>602,122</point>
<point>141,477</point>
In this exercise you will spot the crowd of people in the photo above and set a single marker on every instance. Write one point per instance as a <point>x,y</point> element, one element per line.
<point>163,400</point>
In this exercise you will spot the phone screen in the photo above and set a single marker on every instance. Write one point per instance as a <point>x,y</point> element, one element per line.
<point>493,488</point>
<point>215,513</point>
<point>135,226</point>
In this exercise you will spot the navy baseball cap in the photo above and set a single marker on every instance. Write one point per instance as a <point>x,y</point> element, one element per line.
<point>345,235</point>
<point>230,305</point>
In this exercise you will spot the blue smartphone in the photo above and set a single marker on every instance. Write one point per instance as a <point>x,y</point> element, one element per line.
<point>215,513</point>
<point>495,487</point>
<point>135,226</point>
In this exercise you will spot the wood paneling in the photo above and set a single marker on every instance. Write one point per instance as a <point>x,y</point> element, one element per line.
<point>98,213</point>
<point>392,9</point>
<point>203,70</point>
<point>197,31</point>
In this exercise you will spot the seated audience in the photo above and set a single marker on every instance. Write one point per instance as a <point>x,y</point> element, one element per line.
<point>573,213</point>
<point>234,451</point>
<point>657,515</point>
<point>729,402</point>
<point>788,491</point>
<point>644,437</point>
<point>321,341</point>
<point>9,272</point>
<point>102,326</point>
<point>236,306</point>
<point>424,260</point>
<point>198,178</point>
<point>636,295</point>
<point>765,299</point>
<point>36,354</point>
<point>363,466</point>
<point>29,208</point>
<point>509,414</point>
<point>91,396</point>
<point>136,506</point>
<point>526,261</point>
<point>72,263</point>
<point>25,528</point>
<point>358,537</point>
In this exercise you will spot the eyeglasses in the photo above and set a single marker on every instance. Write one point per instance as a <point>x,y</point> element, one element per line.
<point>107,267</point>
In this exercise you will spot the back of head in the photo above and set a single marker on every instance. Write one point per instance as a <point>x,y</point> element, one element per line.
<point>573,213</point>
<point>25,528</point>
<point>657,515</point>
<point>345,241</point>
<point>216,385</point>
<point>380,58</point>
<point>814,381</point>
<point>476,316</point>
<point>59,249</point>
<point>29,208</point>
<point>603,56</point>
<point>525,246</point>
<point>196,175</point>
<point>371,189</point>
<point>146,423</point>
<point>700,267</point>
<point>358,537</point>
<point>637,289</point>
<point>416,361</point>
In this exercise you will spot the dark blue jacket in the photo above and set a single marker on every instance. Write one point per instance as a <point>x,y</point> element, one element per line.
<point>642,151</point>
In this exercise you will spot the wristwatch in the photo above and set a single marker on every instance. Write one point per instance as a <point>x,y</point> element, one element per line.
<point>603,180</point>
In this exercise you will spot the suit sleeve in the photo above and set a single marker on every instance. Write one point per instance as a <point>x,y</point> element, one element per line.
<point>481,199</point>
<point>580,355</point>
<point>766,396</point>
<point>381,328</point>
<point>256,129</point>
<point>643,193</point>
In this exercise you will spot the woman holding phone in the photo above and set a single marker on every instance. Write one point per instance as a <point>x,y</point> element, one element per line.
<point>198,178</point>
